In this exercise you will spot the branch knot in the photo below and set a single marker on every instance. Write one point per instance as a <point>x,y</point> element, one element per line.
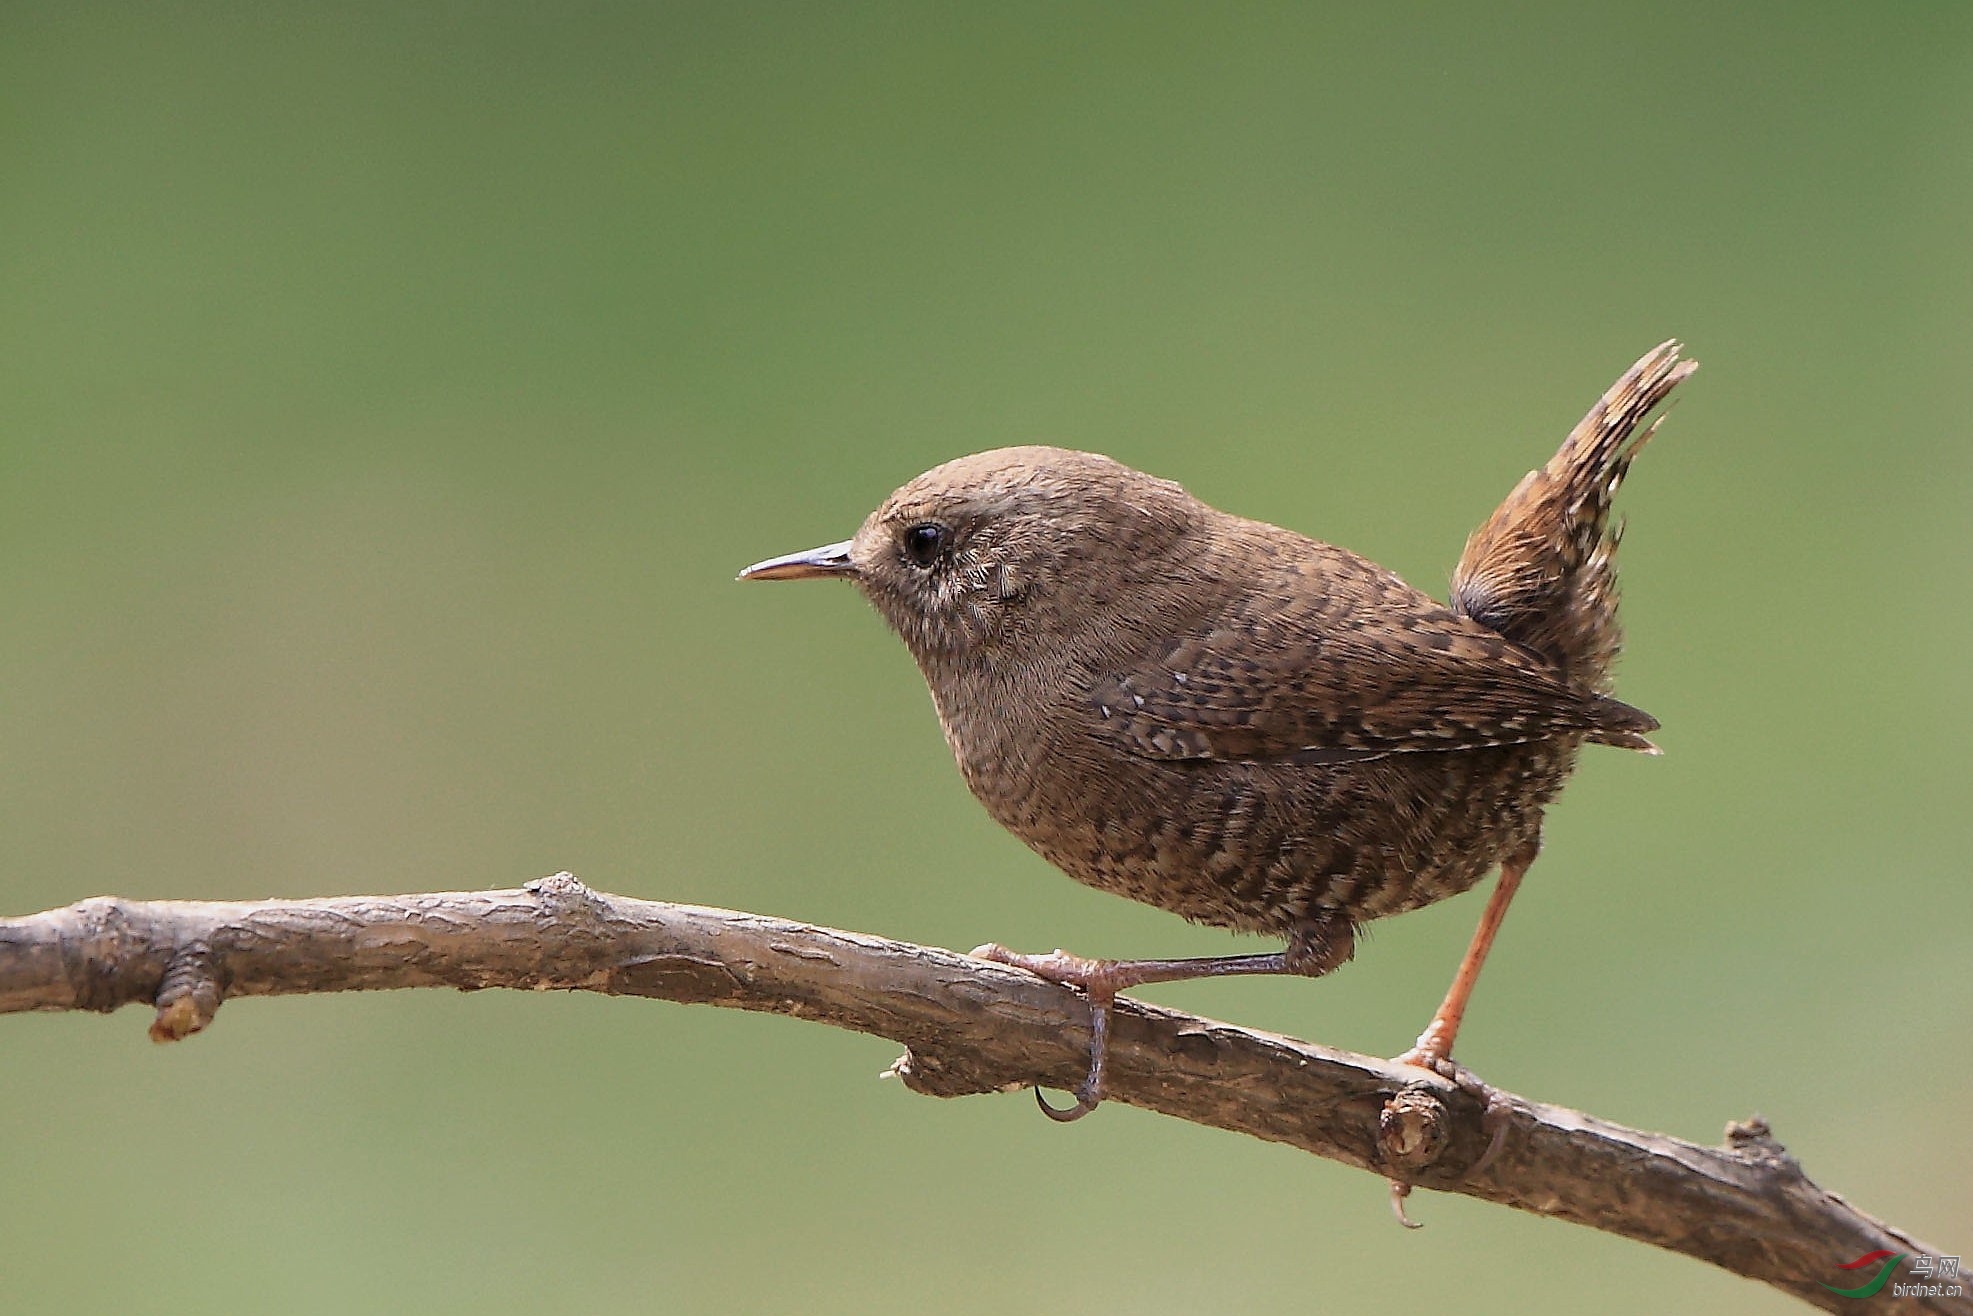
<point>1413,1129</point>
<point>190,994</point>
<point>565,894</point>
<point>95,949</point>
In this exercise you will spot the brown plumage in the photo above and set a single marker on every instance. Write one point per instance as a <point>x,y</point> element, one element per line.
<point>1244,726</point>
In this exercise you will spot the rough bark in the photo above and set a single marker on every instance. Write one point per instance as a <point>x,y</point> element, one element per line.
<point>968,1026</point>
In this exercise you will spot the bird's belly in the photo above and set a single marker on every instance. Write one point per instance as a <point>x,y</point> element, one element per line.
<point>1270,847</point>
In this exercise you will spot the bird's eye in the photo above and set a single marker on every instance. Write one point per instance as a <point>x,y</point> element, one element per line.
<point>924,543</point>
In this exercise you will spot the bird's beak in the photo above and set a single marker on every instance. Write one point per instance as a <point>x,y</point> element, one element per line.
<point>828,560</point>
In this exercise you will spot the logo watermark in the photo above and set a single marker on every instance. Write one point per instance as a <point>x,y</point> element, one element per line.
<point>1931,1277</point>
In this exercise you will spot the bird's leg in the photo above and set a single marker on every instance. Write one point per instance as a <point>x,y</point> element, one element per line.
<point>1433,1050</point>
<point>1434,1046</point>
<point>1312,952</point>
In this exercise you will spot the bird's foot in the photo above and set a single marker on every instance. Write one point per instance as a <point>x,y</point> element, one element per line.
<point>1429,1054</point>
<point>1101,980</point>
<point>1432,1053</point>
<point>1433,1049</point>
<point>1098,980</point>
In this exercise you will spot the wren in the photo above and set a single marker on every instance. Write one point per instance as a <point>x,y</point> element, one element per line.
<point>1244,726</point>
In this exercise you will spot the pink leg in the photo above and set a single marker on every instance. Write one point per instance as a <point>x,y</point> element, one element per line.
<point>1433,1049</point>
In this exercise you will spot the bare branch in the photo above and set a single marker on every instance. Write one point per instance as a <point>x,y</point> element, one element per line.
<point>969,1026</point>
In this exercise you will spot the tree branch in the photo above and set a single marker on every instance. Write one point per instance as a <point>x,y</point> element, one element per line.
<point>968,1026</point>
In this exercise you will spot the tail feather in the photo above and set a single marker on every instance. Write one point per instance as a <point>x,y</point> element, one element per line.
<point>1542,571</point>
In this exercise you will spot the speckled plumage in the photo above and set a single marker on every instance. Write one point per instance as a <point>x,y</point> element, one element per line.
<point>1244,726</point>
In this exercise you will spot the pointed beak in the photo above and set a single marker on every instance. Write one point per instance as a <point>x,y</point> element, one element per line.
<point>828,560</point>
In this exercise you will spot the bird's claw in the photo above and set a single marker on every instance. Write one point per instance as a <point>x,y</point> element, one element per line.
<point>1066,1114</point>
<point>1493,1122</point>
<point>1399,1191</point>
<point>1092,978</point>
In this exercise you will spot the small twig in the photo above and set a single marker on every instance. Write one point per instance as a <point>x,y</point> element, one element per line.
<point>969,1026</point>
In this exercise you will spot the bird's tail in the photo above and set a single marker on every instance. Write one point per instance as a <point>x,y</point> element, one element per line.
<point>1542,571</point>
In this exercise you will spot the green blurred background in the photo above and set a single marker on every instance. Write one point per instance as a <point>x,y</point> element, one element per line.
<point>391,393</point>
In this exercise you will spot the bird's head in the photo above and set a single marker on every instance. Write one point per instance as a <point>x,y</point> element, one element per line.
<point>973,554</point>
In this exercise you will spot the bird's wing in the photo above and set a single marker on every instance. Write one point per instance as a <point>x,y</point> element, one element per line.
<point>1299,676</point>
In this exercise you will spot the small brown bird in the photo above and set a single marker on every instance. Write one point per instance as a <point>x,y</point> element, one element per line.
<point>1246,727</point>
